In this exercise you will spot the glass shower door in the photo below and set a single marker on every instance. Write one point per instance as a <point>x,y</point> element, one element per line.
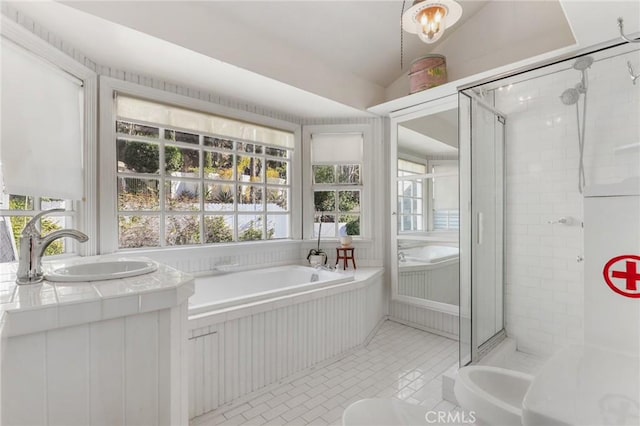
<point>482,132</point>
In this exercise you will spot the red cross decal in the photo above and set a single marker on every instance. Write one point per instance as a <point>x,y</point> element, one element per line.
<point>622,274</point>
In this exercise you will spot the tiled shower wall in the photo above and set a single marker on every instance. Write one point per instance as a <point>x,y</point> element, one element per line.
<point>544,279</point>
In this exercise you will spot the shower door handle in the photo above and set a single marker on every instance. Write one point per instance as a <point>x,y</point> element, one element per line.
<point>480,227</point>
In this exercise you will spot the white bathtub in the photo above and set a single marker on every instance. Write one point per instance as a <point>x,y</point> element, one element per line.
<point>221,291</point>
<point>245,347</point>
<point>430,254</point>
<point>430,272</point>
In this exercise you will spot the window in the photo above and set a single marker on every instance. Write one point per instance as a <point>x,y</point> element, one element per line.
<point>41,126</point>
<point>445,210</point>
<point>337,170</point>
<point>189,178</point>
<point>44,166</point>
<point>16,211</point>
<point>411,196</point>
<point>430,187</point>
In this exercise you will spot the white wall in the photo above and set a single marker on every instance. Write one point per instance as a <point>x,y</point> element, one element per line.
<point>544,282</point>
<point>500,44</point>
<point>593,21</point>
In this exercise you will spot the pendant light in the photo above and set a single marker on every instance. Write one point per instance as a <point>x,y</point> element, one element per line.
<point>429,19</point>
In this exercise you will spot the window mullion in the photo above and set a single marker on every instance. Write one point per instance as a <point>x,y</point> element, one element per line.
<point>162,195</point>
<point>236,187</point>
<point>201,165</point>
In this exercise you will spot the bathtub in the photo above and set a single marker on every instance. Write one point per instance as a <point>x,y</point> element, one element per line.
<point>430,254</point>
<point>430,272</point>
<point>222,291</point>
<point>249,330</point>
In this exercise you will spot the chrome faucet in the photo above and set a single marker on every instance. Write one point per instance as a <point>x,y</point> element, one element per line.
<point>33,245</point>
<point>401,257</point>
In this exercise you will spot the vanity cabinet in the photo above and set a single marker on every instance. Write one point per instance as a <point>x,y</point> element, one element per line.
<point>101,353</point>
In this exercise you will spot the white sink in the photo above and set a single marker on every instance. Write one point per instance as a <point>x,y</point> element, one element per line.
<point>102,270</point>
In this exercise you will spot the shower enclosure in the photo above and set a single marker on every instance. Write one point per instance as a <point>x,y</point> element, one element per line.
<point>530,142</point>
<point>482,142</point>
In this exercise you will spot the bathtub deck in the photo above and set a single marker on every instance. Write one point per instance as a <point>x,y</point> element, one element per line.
<point>400,362</point>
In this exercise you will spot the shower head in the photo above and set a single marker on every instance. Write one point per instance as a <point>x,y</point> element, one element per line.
<point>570,96</point>
<point>582,63</point>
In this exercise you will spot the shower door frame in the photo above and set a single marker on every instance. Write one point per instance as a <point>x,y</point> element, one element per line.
<point>477,349</point>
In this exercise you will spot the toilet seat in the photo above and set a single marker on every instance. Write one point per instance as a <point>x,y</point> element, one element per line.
<point>494,394</point>
<point>383,412</point>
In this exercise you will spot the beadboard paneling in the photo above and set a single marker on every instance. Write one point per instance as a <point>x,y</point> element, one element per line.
<point>436,322</point>
<point>107,372</point>
<point>439,284</point>
<point>234,358</point>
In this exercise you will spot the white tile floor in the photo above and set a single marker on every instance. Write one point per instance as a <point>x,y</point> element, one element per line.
<point>400,362</point>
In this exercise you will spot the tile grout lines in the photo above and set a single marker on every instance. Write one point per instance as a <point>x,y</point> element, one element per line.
<point>399,362</point>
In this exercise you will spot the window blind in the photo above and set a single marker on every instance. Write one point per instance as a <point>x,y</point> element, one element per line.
<point>412,167</point>
<point>41,138</point>
<point>445,188</point>
<point>336,148</point>
<point>172,116</point>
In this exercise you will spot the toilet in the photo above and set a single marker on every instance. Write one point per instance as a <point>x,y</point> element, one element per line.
<point>494,394</point>
<point>383,412</point>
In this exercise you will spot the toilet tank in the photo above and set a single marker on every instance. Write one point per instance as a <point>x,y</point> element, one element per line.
<point>612,266</point>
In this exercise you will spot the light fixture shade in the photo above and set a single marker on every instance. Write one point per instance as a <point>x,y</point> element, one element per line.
<point>429,19</point>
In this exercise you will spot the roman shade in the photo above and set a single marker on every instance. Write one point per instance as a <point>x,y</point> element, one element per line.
<point>41,138</point>
<point>182,118</point>
<point>336,148</point>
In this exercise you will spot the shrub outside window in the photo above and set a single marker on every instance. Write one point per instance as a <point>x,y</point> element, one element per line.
<point>179,186</point>
<point>17,210</point>
<point>336,167</point>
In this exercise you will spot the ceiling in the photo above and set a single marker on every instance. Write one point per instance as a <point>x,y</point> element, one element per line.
<point>435,134</point>
<point>358,37</point>
<point>305,57</point>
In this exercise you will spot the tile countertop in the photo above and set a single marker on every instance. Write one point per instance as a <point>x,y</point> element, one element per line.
<point>48,305</point>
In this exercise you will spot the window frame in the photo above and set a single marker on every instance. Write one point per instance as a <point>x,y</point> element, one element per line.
<point>425,192</point>
<point>366,177</point>
<point>71,246</point>
<point>84,212</point>
<point>108,188</point>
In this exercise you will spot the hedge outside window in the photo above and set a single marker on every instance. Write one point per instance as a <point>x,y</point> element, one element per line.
<point>336,167</point>
<point>17,210</point>
<point>178,186</point>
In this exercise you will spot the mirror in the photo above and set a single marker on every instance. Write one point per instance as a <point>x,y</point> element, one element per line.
<point>427,213</point>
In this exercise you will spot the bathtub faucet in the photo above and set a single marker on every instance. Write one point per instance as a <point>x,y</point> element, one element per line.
<point>324,267</point>
<point>33,245</point>
<point>401,257</point>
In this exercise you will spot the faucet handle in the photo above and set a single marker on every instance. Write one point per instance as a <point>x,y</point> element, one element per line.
<point>31,227</point>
